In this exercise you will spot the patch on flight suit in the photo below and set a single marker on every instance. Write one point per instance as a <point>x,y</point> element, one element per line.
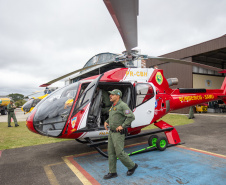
<point>110,109</point>
<point>127,111</point>
<point>114,108</point>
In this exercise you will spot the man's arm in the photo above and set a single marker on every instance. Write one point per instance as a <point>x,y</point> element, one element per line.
<point>105,125</point>
<point>129,116</point>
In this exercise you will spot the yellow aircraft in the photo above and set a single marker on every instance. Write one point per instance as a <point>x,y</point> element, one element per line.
<point>32,102</point>
<point>4,101</point>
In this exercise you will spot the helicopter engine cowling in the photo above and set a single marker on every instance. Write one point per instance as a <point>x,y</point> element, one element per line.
<point>172,81</point>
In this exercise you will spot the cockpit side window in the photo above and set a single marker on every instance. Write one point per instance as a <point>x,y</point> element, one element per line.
<point>144,92</point>
<point>85,97</point>
<point>35,102</point>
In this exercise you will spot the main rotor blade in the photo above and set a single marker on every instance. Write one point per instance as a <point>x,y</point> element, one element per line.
<point>35,93</point>
<point>187,63</point>
<point>66,75</point>
<point>124,13</point>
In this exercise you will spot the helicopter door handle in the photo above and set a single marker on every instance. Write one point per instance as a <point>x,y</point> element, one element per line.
<point>149,111</point>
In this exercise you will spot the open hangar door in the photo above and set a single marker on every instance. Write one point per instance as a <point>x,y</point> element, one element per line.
<point>203,78</point>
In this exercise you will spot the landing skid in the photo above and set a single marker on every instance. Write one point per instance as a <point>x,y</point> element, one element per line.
<point>97,147</point>
<point>97,143</point>
<point>86,141</point>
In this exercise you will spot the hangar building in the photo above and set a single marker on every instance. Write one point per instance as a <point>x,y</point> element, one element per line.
<point>212,53</point>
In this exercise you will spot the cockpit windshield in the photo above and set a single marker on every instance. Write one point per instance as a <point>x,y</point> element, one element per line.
<point>53,111</point>
<point>27,106</point>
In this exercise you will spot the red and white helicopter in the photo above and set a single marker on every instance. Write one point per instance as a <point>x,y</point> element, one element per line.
<point>74,111</point>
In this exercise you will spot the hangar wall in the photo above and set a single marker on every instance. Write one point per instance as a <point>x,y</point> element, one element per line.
<point>207,81</point>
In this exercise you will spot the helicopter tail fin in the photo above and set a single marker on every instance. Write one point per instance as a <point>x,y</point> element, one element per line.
<point>223,87</point>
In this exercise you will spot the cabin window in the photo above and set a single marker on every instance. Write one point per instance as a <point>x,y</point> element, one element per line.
<point>144,92</point>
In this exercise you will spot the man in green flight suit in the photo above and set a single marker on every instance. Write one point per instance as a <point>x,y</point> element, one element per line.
<point>120,116</point>
<point>191,113</point>
<point>106,102</point>
<point>11,114</point>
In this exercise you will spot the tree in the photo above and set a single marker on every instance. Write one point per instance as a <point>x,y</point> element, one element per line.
<point>20,103</point>
<point>16,96</point>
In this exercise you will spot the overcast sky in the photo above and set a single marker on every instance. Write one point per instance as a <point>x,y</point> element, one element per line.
<point>41,39</point>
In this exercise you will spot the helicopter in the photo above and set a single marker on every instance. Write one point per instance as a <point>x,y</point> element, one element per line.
<point>74,111</point>
<point>32,102</point>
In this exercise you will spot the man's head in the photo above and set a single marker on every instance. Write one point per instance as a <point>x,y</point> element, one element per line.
<point>115,95</point>
<point>11,101</point>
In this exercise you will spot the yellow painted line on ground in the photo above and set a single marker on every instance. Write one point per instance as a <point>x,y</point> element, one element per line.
<point>54,164</point>
<point>77,155</point>
<point>202,151</point>
<point>135,144</point>
<point>81,177</point>
<point>50,175</point>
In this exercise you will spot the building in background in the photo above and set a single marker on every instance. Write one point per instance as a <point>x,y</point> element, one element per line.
<point>212,53</point>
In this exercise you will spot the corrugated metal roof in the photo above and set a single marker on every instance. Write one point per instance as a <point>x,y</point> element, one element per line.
<point>211,45</point>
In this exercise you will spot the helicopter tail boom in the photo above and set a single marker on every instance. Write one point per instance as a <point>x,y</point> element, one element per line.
<point>189,97</point>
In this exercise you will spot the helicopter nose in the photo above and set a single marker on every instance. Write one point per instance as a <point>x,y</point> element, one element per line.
<point>30,122</point>
<point>27,107</point>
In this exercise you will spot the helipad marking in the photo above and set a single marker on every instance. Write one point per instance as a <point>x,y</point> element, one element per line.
<point>83,176</point>
<point>101,167</point>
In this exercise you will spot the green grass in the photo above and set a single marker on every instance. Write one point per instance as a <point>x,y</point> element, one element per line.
<point>172,119</point>
<point>15,137</point>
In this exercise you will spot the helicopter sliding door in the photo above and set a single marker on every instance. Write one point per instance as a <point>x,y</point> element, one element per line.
<point>145,104</point>
<point>82,112</point>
